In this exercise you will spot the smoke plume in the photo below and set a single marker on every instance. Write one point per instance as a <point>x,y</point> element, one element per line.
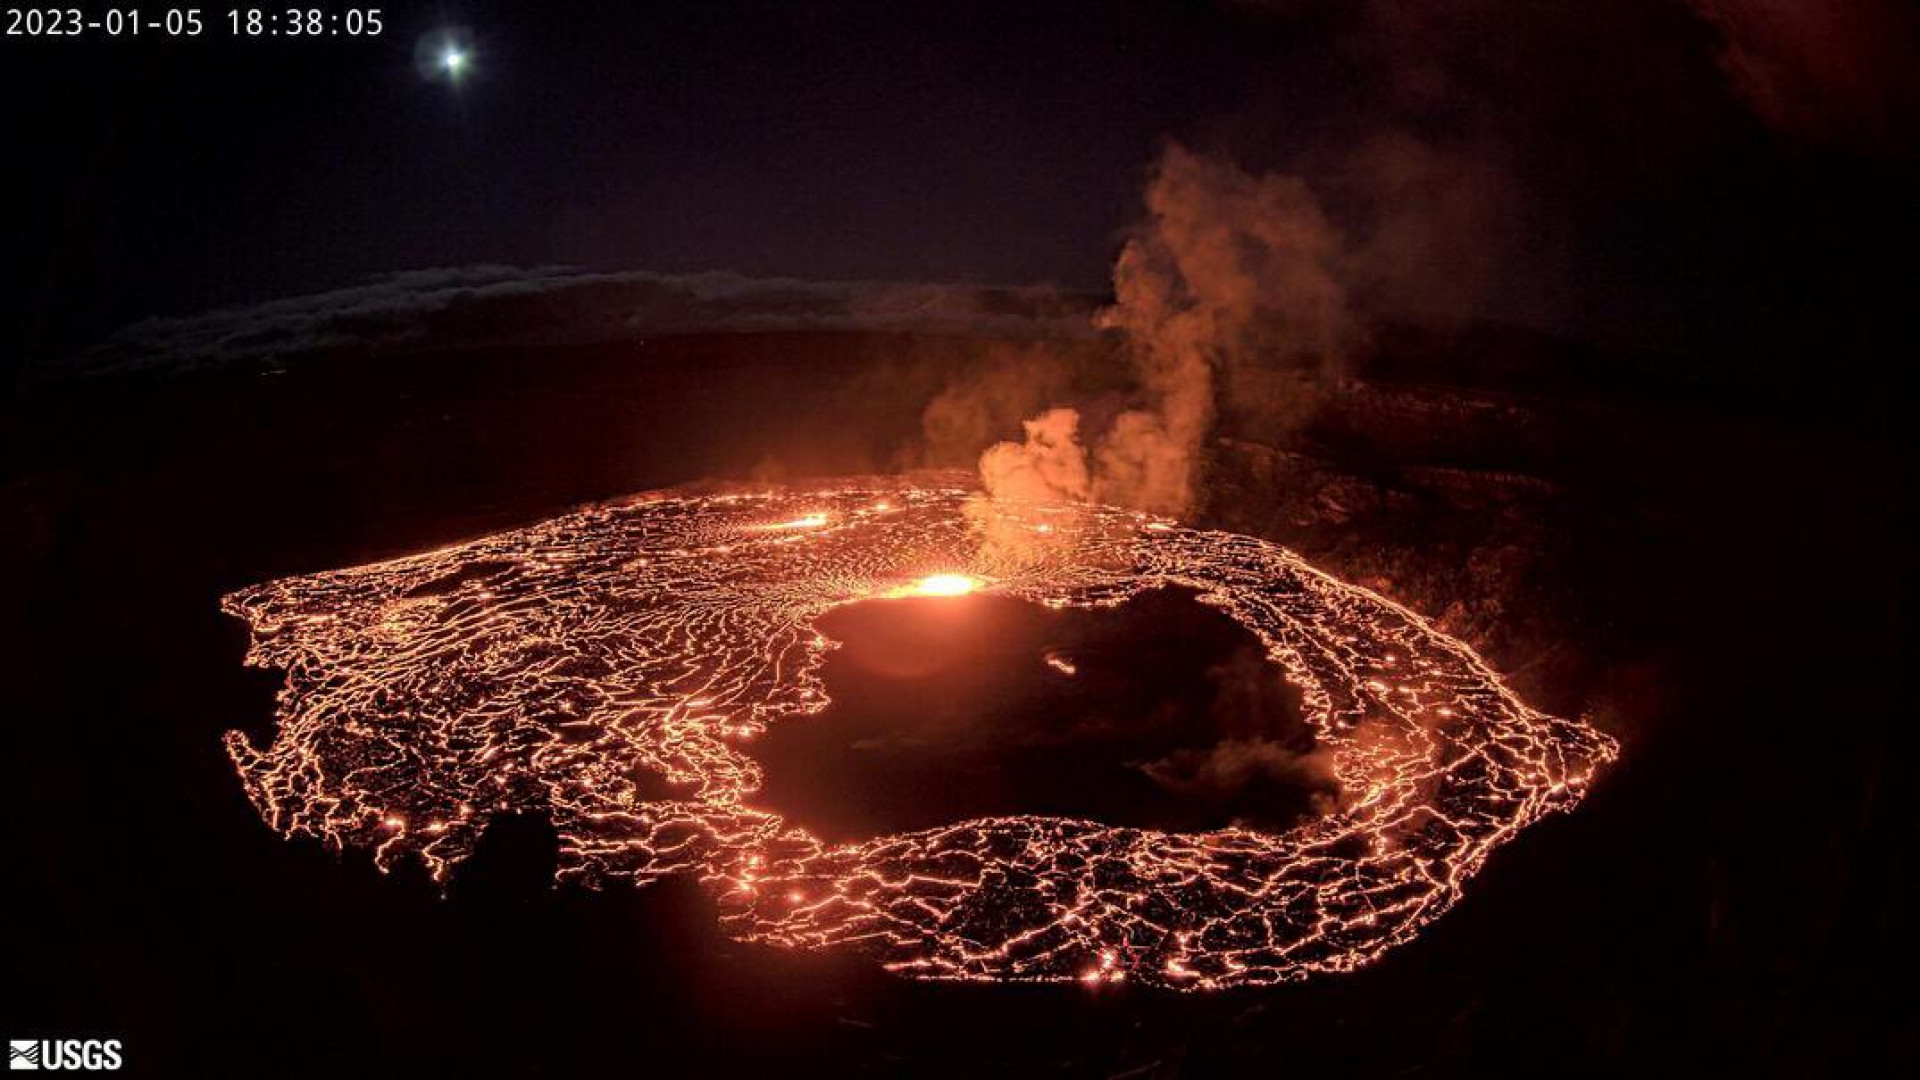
<point>1008,383</point>
<point>1051,464</point>
<point>1231,280</point>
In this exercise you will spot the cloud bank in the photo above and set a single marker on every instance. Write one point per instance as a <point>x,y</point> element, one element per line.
<point>503,305</point>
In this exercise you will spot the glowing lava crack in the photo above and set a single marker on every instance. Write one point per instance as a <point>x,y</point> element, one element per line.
<point>560,668</point>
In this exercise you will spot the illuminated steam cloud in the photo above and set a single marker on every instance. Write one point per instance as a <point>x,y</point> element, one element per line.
<point>1841,73</point>
<point>1232,277</point>
<point>568,668</point>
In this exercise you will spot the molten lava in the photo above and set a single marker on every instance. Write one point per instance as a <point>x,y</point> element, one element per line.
<point>557,669</point>
<point>944,585</point>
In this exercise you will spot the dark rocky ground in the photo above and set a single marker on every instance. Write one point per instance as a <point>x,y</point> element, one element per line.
<point>1716,578</point>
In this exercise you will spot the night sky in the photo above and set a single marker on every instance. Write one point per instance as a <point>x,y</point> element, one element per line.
<point>1620,182</point>
<point>1576,326</point>
<point>813,140</point>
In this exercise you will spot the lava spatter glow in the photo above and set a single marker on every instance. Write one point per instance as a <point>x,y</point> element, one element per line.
<point>940,585</point>
<point>610,668</point>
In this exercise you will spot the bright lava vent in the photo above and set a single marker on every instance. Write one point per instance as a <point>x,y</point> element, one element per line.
<point>943,585</point>
<point>568,668</point>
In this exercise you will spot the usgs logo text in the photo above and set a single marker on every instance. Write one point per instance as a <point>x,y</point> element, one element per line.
<point>68,1054</point>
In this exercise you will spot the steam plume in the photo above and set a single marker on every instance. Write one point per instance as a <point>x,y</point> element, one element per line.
<point>1050,465</point>
<point>1230,274</point>
<point>1834,72</point>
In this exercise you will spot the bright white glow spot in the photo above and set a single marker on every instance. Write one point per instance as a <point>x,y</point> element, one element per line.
<point>946,585</point>
<point>809,521</point>
<point>454,61</point>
